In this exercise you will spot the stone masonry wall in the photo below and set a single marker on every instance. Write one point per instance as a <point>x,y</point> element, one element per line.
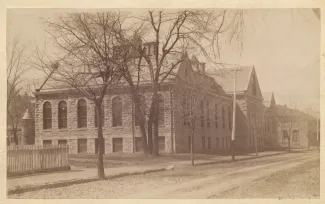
<point>73,133</point>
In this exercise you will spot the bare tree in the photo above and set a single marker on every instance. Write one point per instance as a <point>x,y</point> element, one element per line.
<point>15,70</point>
<point>167,35</point>
<point>86,61</point>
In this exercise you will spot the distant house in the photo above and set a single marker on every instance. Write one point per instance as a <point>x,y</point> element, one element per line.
<point>299,126</point>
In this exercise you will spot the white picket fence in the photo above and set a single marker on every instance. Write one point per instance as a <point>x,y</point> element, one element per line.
<point>29,158</point>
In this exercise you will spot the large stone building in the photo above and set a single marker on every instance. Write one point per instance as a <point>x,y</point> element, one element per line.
<point>65,117</point>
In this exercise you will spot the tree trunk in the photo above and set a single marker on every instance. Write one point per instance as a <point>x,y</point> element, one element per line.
<point>155,149</point>
<point>256,148</point>
<point>15,135</point>
<point>100,162</point>
<point>150,135</point>
<point>289,145</point>
<point>143,137</point>
<point>155,123</point>
<point>138,106</point>
<point>192,149</point>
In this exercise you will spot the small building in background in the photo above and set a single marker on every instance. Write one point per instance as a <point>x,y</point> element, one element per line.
<point>299,126</point>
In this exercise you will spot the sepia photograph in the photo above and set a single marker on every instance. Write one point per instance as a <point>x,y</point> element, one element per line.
<point>163,103</point>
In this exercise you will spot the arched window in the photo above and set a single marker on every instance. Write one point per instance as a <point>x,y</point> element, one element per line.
<point>137,113</point>
<point>82,113</point>
<point>229,117</point>
<point>47,115</point>
<point>223,118</point>
<point>117,111</point>
<point>102,115</point>
<point>62,115</point>
<point>161,113</point>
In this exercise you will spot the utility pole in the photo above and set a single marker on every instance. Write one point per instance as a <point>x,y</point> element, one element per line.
<point>233,132</point>
<point>255,138</point>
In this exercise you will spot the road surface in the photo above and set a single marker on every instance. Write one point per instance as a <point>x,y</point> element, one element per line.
<point>294,175</point>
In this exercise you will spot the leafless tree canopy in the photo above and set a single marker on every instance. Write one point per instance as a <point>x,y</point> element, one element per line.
<point>96,49</point>
<point>16,103</point>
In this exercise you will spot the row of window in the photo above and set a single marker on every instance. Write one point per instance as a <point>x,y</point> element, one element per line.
<point>255,121</point>
<point>117,112</point>
<point>259,142</point>
<point>222,143</point>
<point>117,144</point>
<point>295,135</point>
<point>207,115</point>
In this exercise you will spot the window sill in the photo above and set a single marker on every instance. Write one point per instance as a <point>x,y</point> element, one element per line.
<point>63,130</point>
<point>47,130</point>
<point>81,129</point>
<point>118,127</point>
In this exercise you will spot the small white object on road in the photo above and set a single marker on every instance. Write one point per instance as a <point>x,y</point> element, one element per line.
<point>169,168</point>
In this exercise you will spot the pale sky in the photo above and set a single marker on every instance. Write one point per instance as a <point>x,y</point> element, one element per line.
<point>282,44</point>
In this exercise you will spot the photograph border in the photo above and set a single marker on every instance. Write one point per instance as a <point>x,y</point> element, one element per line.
<point>157,4</point>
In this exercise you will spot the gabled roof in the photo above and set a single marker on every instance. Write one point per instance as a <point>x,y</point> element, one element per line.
<point>225,77</point>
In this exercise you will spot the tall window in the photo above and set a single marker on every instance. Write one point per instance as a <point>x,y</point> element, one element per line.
<point>62,114</point>
<point>117,111</point>
<point>208,114</point>
<point>137,113</point>
<point>216,115</point>
<point>47,115</point>
<point>161,113</point>
<point>223,118</point>
<point>202,114</point>
<point>82,113</point>
<point>229,118</point>
<point>102,115</point>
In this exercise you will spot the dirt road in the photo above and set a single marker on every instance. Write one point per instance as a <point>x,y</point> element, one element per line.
<point>283,176</point>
